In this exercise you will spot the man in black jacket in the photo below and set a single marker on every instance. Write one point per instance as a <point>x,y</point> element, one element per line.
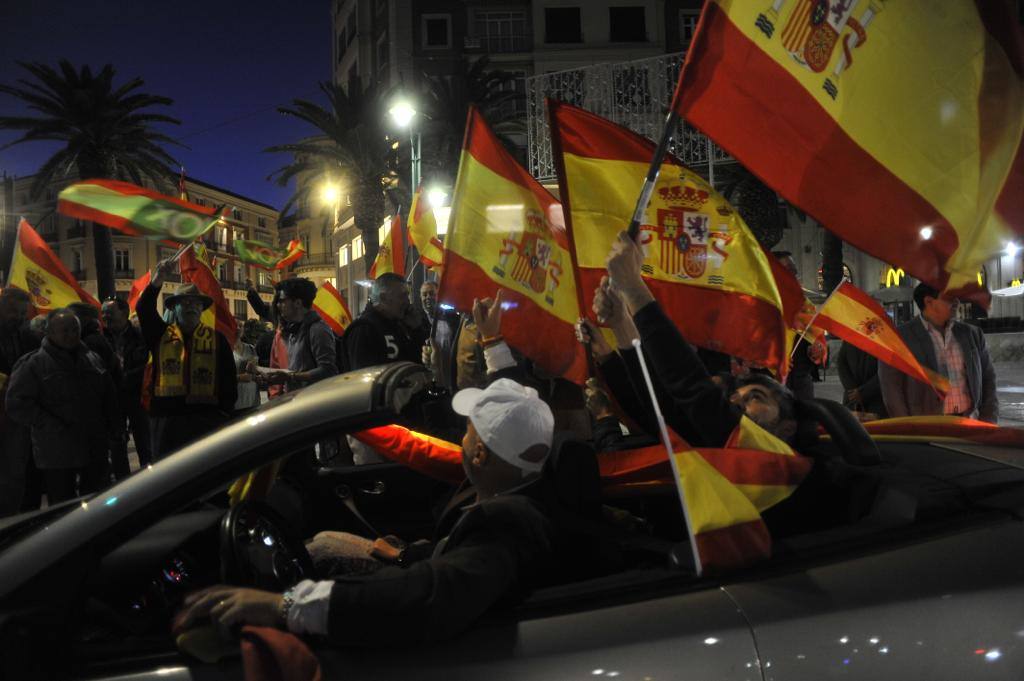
<point>133,355</point>
<point>378,335</point>
<point>65,395</point>
<point>494,549</point>
<point>858,372</point>
<point>194,384</point>
<point>20,483</point>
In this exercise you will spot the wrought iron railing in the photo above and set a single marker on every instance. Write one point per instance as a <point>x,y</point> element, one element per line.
<point>318,260</point>
<point>634,94</point>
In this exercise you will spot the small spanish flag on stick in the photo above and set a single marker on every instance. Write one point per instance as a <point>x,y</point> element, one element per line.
<point>857,318</point>
<point>332,308</point>
<point>391,256</point>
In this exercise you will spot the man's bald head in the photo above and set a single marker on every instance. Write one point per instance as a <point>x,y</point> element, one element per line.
<point>63,329</point>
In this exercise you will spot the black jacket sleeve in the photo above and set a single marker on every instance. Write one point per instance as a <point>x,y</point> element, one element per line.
<point>695,407</point>
<point>262,309</point>
<point>437,598</point>
<point>227,376</point>
<point>150,322</point>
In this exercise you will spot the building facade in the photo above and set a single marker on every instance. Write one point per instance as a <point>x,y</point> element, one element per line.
<point>72,240</point>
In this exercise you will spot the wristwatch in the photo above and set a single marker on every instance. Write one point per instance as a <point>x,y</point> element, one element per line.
<point>287,601</point>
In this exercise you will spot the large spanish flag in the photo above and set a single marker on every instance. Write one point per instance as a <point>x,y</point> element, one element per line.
<point>37,270</point>
<point>898,125</point>
<point>195,268</point>
<point>391,254</point>
<point>423,230</point>
<point>857,318</point>
<point>332,308</point>
<point>797,311</point>
<point>136,210</point>
<point>702,263</point>
<point>506,231</point>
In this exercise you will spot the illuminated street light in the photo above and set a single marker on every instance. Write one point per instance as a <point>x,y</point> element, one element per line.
<point>1012,249</point>
<point>330,193</point>
<point>402,113</point>
<point>926,233</point>
<point>436,197</point>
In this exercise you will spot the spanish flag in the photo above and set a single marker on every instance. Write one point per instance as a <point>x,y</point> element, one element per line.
<point>896,124</point>
<point>797,311</point>
<point>136,210</point>
<point>36,269</point>
<point>423,231</point>
<point>332,308</point>
<point>391,255</point>
<point>854,316</point>
<point>506,231</point>
<point>702,263</point>
<point>195,268</point>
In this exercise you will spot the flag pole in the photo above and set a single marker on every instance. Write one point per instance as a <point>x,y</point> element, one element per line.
<point>652,173</point>
<point>815,316</point>
<point>671,456</point>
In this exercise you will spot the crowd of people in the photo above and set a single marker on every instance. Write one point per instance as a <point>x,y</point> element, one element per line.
<point>72,397</point>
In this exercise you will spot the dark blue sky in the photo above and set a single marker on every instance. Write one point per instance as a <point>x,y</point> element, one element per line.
<point>226,64</point>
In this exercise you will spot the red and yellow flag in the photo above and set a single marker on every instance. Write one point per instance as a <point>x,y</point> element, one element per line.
<point>36,269</point>
<point>506,231</point>
<point>797,311</point>
<point>391,254</point>
<point>138,286</point>
<point>423,231</point>
<point>267,256</point>
<point>897,125</point>
<point>136,210</point>
<point>857,318</point>
<point>195,268</point>
<point>702,263</point>
<point>332,308</point>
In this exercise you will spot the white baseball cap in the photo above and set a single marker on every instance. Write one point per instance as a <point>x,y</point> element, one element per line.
<point>510,418</point>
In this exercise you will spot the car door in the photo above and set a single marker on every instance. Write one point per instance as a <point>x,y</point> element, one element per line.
<point>605,629</point>
<point>948,608</point>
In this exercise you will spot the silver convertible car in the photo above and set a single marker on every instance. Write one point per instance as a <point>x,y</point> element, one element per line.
<point>925,582</point>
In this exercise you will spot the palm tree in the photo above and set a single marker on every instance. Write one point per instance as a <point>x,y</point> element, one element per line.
<point>448,100</point>
<point>351,143</point>
<point>105,131</point>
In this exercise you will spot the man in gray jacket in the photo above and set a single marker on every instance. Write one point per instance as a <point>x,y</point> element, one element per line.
<point>955,350</point>
<point>308,341</point>
<point>65,395</point>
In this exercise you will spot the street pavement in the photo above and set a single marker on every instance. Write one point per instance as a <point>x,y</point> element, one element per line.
<point>1009,388</point>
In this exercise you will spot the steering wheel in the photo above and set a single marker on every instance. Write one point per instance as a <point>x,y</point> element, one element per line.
<point>257,549</point>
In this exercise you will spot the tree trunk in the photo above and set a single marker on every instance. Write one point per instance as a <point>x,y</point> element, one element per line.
<point>831,261</point>
<point>102,244</point>
<point>368,214</point>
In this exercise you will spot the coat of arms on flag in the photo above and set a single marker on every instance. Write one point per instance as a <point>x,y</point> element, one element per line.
<point>536,265</point>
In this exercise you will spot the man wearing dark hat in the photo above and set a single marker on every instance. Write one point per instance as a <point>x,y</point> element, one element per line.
<point>193,386</point>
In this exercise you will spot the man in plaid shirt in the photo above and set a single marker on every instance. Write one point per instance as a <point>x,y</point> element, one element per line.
<point>951,348</point>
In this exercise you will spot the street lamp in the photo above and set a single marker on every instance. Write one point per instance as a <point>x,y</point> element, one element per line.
<point>402,113</point>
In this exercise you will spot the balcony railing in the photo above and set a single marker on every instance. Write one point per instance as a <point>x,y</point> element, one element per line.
<point>318,260</point>
<point>124,274</point>
<point>76,232</point>
<point>510,42</point>
<point>265,288</point>
<point>634,94</point>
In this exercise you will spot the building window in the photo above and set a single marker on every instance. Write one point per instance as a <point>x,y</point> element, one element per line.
<point>304,238</point>
<point>264,278</point>
<point>687,26</point>
<point>222,272</point>
<point>199,201</point>
<point>502,31</point>
<point>437,31</point>
<point>627,25</point>
<point>562,25</point>
<point>239,272</point>
<point>515,106</point>
<point>357,248</point>
<point>241,309</point>
<point>77,263</point>
<point>122,260</point>
<point>236,213</point>
<point>261,222</point>
<point>343,256</point>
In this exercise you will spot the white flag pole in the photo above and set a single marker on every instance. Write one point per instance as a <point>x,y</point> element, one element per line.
<point>671,456</point>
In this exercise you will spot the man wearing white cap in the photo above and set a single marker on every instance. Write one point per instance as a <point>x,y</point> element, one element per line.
<point>498,546</point>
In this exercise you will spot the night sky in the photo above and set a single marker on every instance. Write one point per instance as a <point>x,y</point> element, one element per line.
<point>226,65</point>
